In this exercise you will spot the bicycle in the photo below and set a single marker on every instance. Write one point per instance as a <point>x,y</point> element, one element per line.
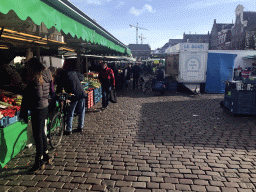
<point>147,88</point>
<point>154,86</point>
<point>57,124</point>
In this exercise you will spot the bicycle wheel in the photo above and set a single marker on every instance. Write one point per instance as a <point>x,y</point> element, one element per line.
<point>56,130</point>
<point>147,88</point>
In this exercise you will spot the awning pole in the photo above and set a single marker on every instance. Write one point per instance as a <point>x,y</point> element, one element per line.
<point>29,54</point>
<point>86,60</point>
<point>38,53</point>
<point>79,60</point>
<point>1,32</point>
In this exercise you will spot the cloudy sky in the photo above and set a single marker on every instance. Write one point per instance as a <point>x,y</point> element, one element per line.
<point>163,19</point>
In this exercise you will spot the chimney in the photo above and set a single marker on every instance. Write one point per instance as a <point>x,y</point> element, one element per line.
<point>214,21</point>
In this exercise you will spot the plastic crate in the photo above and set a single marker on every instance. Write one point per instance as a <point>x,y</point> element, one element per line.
<point>242,110</point>
<point>6,121</point>
<point>242,94</point>
<point>89,99</point>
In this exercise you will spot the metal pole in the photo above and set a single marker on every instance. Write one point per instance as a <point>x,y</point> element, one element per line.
<point>86,60</point>
<point>78,64</point>
<point>136,35</point>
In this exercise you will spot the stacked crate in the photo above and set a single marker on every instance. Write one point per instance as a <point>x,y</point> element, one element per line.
<point>97,94</point>
<point>89,99</point>
<point>240,102</point>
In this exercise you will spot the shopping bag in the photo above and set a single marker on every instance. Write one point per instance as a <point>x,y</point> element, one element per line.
<point>113,98</point>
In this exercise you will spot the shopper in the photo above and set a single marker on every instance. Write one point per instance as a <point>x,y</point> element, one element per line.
<point>127,76</point>
<point>70,80</point>
<point>160,73</point>
<point>107,80</point>
<point>136,71</point>
<point>36,96</point>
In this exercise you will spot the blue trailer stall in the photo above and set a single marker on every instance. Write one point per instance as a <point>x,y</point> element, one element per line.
<point>219,69</point>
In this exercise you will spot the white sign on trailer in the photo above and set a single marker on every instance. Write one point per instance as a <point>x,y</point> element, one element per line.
<point>192,64</point>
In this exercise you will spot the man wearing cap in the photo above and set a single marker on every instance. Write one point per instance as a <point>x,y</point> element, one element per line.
<point>107,80</point>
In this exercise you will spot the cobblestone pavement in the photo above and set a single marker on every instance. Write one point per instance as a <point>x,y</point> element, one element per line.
<point>147,143</point>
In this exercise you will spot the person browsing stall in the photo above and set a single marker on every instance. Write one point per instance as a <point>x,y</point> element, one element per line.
<point>70,79</point>
<point>35,99</point>
<point>107,80</point>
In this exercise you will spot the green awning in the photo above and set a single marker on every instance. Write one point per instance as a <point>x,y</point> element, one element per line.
<point>40,12</point>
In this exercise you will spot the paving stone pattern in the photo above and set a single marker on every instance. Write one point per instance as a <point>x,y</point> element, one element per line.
<point>145,143</point>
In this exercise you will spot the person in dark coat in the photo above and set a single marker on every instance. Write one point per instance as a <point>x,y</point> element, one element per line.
<point>136,71</point>
<point>127,74</point>
<point>36,94</point>
<point>70,79</point>
<point>107,80</point>
<point>160,73</point>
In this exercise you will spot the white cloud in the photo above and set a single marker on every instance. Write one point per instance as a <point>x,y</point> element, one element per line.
<point>98,2</point>
<point>146,8</point>
<point>209,3</point>
<point>120,4</point>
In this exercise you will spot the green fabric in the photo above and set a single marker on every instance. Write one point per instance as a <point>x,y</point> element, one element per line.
<point>41,12</point>
<point>13,139</point>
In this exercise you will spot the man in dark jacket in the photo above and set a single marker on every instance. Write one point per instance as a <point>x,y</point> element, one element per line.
<point>136,71</point>
<point>70,79</point>
<point>107,80</point>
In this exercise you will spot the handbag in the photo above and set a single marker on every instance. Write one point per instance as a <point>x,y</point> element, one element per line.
<point>113,98</point>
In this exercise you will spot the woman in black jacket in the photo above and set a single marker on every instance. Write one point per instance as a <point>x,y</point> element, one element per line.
<point>37,94</point>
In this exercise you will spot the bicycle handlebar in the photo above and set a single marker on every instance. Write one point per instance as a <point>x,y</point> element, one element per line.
<point>64,96</point>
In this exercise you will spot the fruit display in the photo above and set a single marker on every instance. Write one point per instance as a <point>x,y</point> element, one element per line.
<point>10,111</point>
<point>95,83</point>
<point>9,104</point>
<point>92,74</point>
<point>9,100</point>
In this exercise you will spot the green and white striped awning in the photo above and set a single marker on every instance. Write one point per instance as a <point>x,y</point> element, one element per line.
<point>56,13</point>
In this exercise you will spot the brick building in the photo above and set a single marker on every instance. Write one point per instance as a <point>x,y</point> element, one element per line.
<point>140,51</point>
<point>244,30</point>
<point>220,37</point>
<point>196,38</point>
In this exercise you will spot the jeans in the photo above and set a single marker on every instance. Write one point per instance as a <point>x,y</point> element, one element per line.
<point>80,105</point>
<point>136,82</point>
<point>105,96</point>
<point>38,117</point>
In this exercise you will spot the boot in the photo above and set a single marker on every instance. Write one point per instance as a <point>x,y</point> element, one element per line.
<point>38,165</point>
<point>47,158</point>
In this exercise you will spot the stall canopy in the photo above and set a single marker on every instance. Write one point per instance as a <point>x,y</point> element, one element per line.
<point>80,30</point>
<point>219,69</point>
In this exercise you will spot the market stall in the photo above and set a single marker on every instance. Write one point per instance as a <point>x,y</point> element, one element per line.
<point>92,88</point>
<point>13,134</point>
<point>240,92</point>
<point>46,28</point>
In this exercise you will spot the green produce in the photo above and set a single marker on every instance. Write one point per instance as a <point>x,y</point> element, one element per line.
<point>5,104</point>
